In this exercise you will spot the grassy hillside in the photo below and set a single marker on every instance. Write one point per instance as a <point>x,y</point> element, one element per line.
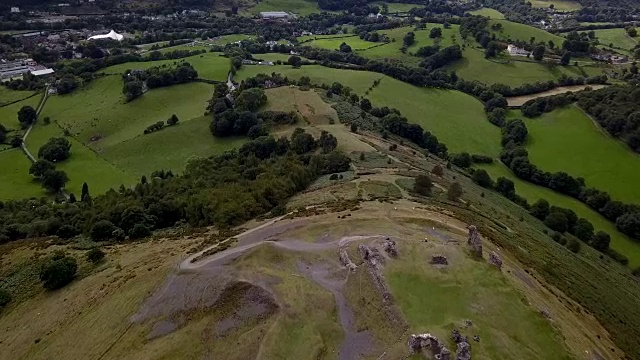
<point>8,96</point>
<point>568,140</point>
<point>562,5</point>
<point>299,7</point>
<point>532,193</point>
<point>396,6</point>
<point>14,177</point>
<point>332,42</point>
<point>488,12</point>
<point>516,31</point>
<point>618,37</point>
<point>9,113</point>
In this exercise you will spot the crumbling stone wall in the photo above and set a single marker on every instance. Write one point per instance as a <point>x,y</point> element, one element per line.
<point>389,247</point>
<point>463,351</point>
<point>346,261</point>
<point>439,260</point>
<point>474,240</point>
<point>420,342</point>
<point>374,262</point>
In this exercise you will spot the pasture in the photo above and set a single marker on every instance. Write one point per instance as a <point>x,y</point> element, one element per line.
<point>210,66</point>
<point>520,100</point>
<point>561,5</point>
<point>516,31</point>
<point>568,140</point>
<point>619,241</point>
<point>104,119</point>
<point>488,12</point>
<point>8,96</point>
<point>170,148</point>
<point>395,7</point>
<point>307,104</point>
<point>14,177</point>
<point>9,113</point>
<point>617,37</point>
<point>298,7</point>
<point>332,42</point>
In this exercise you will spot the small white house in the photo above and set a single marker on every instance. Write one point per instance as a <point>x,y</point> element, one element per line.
<point>516,51</point>
<point>15,9</point>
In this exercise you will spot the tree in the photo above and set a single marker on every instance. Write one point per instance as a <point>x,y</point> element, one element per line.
<point>506,187</point>
<point>102,230</point>
<point>538,52</point>
<point>294,61</point>
<point>552,45</point>
<point>72,198</point>
<point>40,167</point>
<point>3,133</point>
<point>409,39</point>
<point>55,150</point>
<point>454,192</point>
<point>54,180</point>
<point>365,104</point>
<point>327,142</point>
<point>302,142</point>
<point>27,116</point>
<point>462,160</point>
<point>540,209</point>
<point>437,170</point>
<point>251,99</point>
<point>482,178</point>
<point>5,298</point>
<point>84,196</point>
<point>583,230</point>
<point>58,272</point>
<point>556,221</point>
<point>173,120</point>
<point>95,255</point>
<point>354,127</point>
<point>631,31</point>
<point>566,58</point>
<point>601,241</point>
<point>423,185</point>
<point>139,231</point>
<point>573,246</point>
<point>132,89</point>
<point>345,48</point>
<point>435,32</point>
<point>629,224</point>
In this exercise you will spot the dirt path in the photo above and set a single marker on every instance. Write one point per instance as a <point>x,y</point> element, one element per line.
<point>520,100</point>
<point>26,134</point>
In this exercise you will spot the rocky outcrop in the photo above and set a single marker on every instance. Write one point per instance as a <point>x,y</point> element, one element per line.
<point>475,241</point>
<point>463,352</point>
<point>420,342</point>
<point>457,337</point>
<point>389,247</point>
<point>439,260</point>
<point>495,260</point>
<point>346,261</point>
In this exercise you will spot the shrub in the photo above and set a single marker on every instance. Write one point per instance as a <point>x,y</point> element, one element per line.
<point>58,272</point>
<point>556,221</point>
<point>55,150</point>
<point>95,255</point>
<point>482,178</point>
<point>139,231</point>
<point>102,230</point>
<point>333,177</point>
<point>437,170</point>
<point>5,298</point>
<point>423,185</point>
<point>454,192</point>
<point>573,245</point>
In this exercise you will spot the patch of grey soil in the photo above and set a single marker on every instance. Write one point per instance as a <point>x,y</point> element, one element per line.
<point>525,278</point>
<point>355,344</point>
<point>442,237</point>
<point>270,232</point>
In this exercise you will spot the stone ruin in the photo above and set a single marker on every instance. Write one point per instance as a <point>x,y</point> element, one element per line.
<point>463,351</point>
<point>346,261</point>
<point>494,259</point>
<point>390,247</point>
<point>427,341</point>
<point>476,338</point>
<point>439,260</point>
<point>374,263</point>
<point>474,240</point>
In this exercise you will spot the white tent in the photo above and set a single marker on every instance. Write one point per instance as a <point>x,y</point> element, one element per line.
<point>112,35</point>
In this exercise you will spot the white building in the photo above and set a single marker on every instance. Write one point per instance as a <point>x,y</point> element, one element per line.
<point>15,9</point>
<point>274,15</point>
<point>112,35</point>
<point>516,51</point>
<point>42,72</point>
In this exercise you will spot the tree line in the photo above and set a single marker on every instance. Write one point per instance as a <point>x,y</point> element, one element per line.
<point>154,77</point>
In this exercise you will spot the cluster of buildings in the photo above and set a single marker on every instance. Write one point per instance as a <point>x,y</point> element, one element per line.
<point>611,58</point>
<point>17,68</point>
<point>516,51</point>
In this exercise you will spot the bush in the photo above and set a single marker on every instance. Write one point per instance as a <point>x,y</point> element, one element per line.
<point>58,272</point>
<point>423,185</point>
<point>5,298</point>
<point>482,178</point>
<point>139,231</point>
<point>573,245</point>
<point>437,171</point>
<point>556,221</point>
<point>55,150</point>
<point>454,192</point>
<point>102,230</point>
<point>635,272</point>
<point>95,255</point>
<point>462,160</point>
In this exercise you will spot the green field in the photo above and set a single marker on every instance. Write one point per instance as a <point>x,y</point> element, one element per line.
<point>226,39</point>
<point>455,118</point>
<point>9,113</point>
<point>532,193</point>
<point>105,116</point>
<point>332,42</point>
<point>14,177</point>
<point>170,148</point>
<point>299,7</point>
<point>567,140</point>
<point>488,12</point>
<point>396,7</point>
<point>618,37</point>
<point>516,31</point>
<point>273,57</point>
<point>210,66</point>
<point>8,96</point>
<point>562,5</point>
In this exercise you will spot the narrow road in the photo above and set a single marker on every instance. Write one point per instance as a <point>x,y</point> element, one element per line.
<point>26,134</point>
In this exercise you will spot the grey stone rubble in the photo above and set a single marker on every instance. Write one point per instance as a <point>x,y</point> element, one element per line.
<point>439,260</point>
<point>476,338</point>
<point>494,259</point>
<point>390,247</point>
<point>427,341</point>
<point>457,337</point>
<point>468,323</point>
<point>474,240</point>
<point>373,259</point>
<point>346,261</point>
<point>463,351</point>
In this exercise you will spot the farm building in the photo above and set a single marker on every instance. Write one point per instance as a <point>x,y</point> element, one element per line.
<point>275,15</point>
<point>516,51</point>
